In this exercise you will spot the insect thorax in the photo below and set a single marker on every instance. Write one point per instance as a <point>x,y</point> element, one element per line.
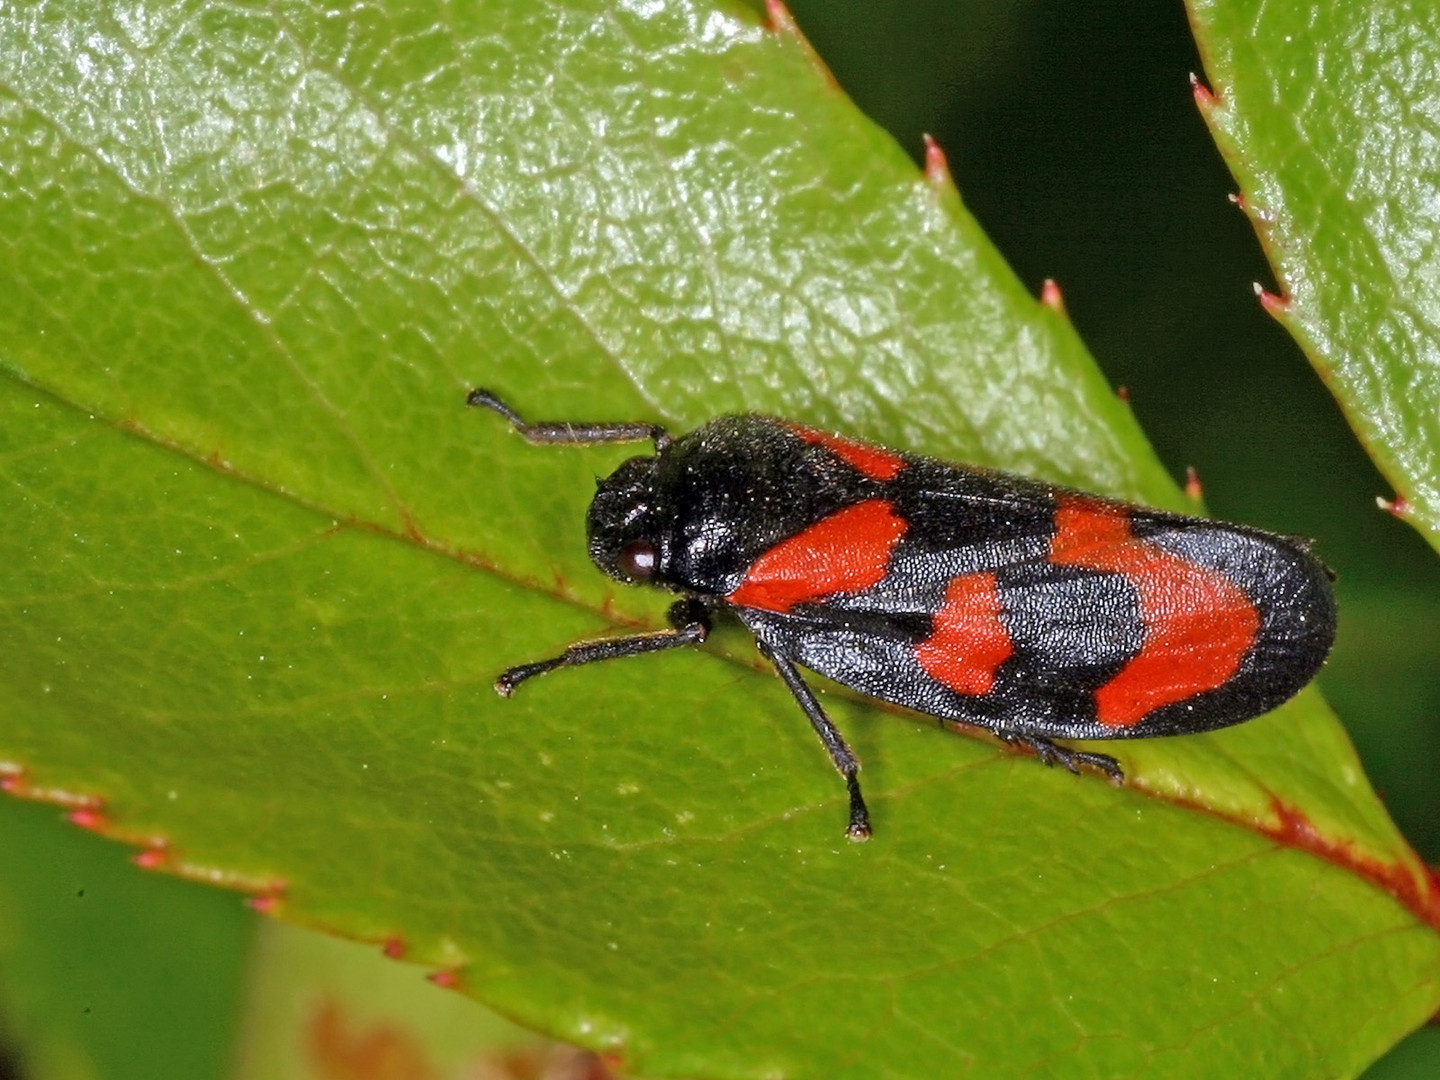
<point>716,498</point>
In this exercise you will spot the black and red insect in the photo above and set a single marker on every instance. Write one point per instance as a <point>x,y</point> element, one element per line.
<point>1035,611</point>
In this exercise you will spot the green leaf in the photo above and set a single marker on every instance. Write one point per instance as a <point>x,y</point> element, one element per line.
<point>1325,115</point>
<point>265,565</point>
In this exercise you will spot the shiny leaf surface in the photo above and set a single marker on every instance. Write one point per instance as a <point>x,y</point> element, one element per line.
<point>1326,115</point>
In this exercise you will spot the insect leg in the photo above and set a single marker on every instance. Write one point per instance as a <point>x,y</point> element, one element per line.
<point>578,434</point>
<point>840,753</point>
<point>1054,754</point>
<point>690,622</point>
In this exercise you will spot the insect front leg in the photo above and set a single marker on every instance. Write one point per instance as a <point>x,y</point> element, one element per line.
<point>839,751</point>
<point>690,622</point>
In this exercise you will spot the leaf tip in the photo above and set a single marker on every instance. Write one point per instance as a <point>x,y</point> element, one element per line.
<point>937,169</point>
<point>1053,299</point>
<point>1255,213</point>
<point>1398,507</point>
<point>12,780</point>
<point>1205,98</point>
<point>154,857</point>
<point>1193,488</point>
<point>267,902</point>
<point>783,23</point>
<point>88,817</point>
<point>446,979</point>
<point>1277,306</point>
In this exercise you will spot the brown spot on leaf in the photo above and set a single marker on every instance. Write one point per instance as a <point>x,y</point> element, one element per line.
<point>341,1050</point>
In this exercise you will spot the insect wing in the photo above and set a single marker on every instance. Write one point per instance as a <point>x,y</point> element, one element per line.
<point>1244,593</point>
<point>1039,611</point>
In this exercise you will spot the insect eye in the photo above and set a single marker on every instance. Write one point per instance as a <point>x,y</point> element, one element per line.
<point>637,559</point>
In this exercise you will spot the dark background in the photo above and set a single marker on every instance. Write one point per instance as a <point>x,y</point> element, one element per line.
<point>1073,137</point>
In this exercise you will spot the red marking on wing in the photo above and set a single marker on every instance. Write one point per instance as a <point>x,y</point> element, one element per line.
<point>1198,625</point>
<point>843,553</point>
<point>969,642</point>
<point>873,461</point>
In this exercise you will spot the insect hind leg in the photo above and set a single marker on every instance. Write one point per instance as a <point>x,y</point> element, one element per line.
<point>1052,753</point>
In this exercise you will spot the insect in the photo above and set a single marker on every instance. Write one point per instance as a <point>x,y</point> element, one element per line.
<point>1035,611</point>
